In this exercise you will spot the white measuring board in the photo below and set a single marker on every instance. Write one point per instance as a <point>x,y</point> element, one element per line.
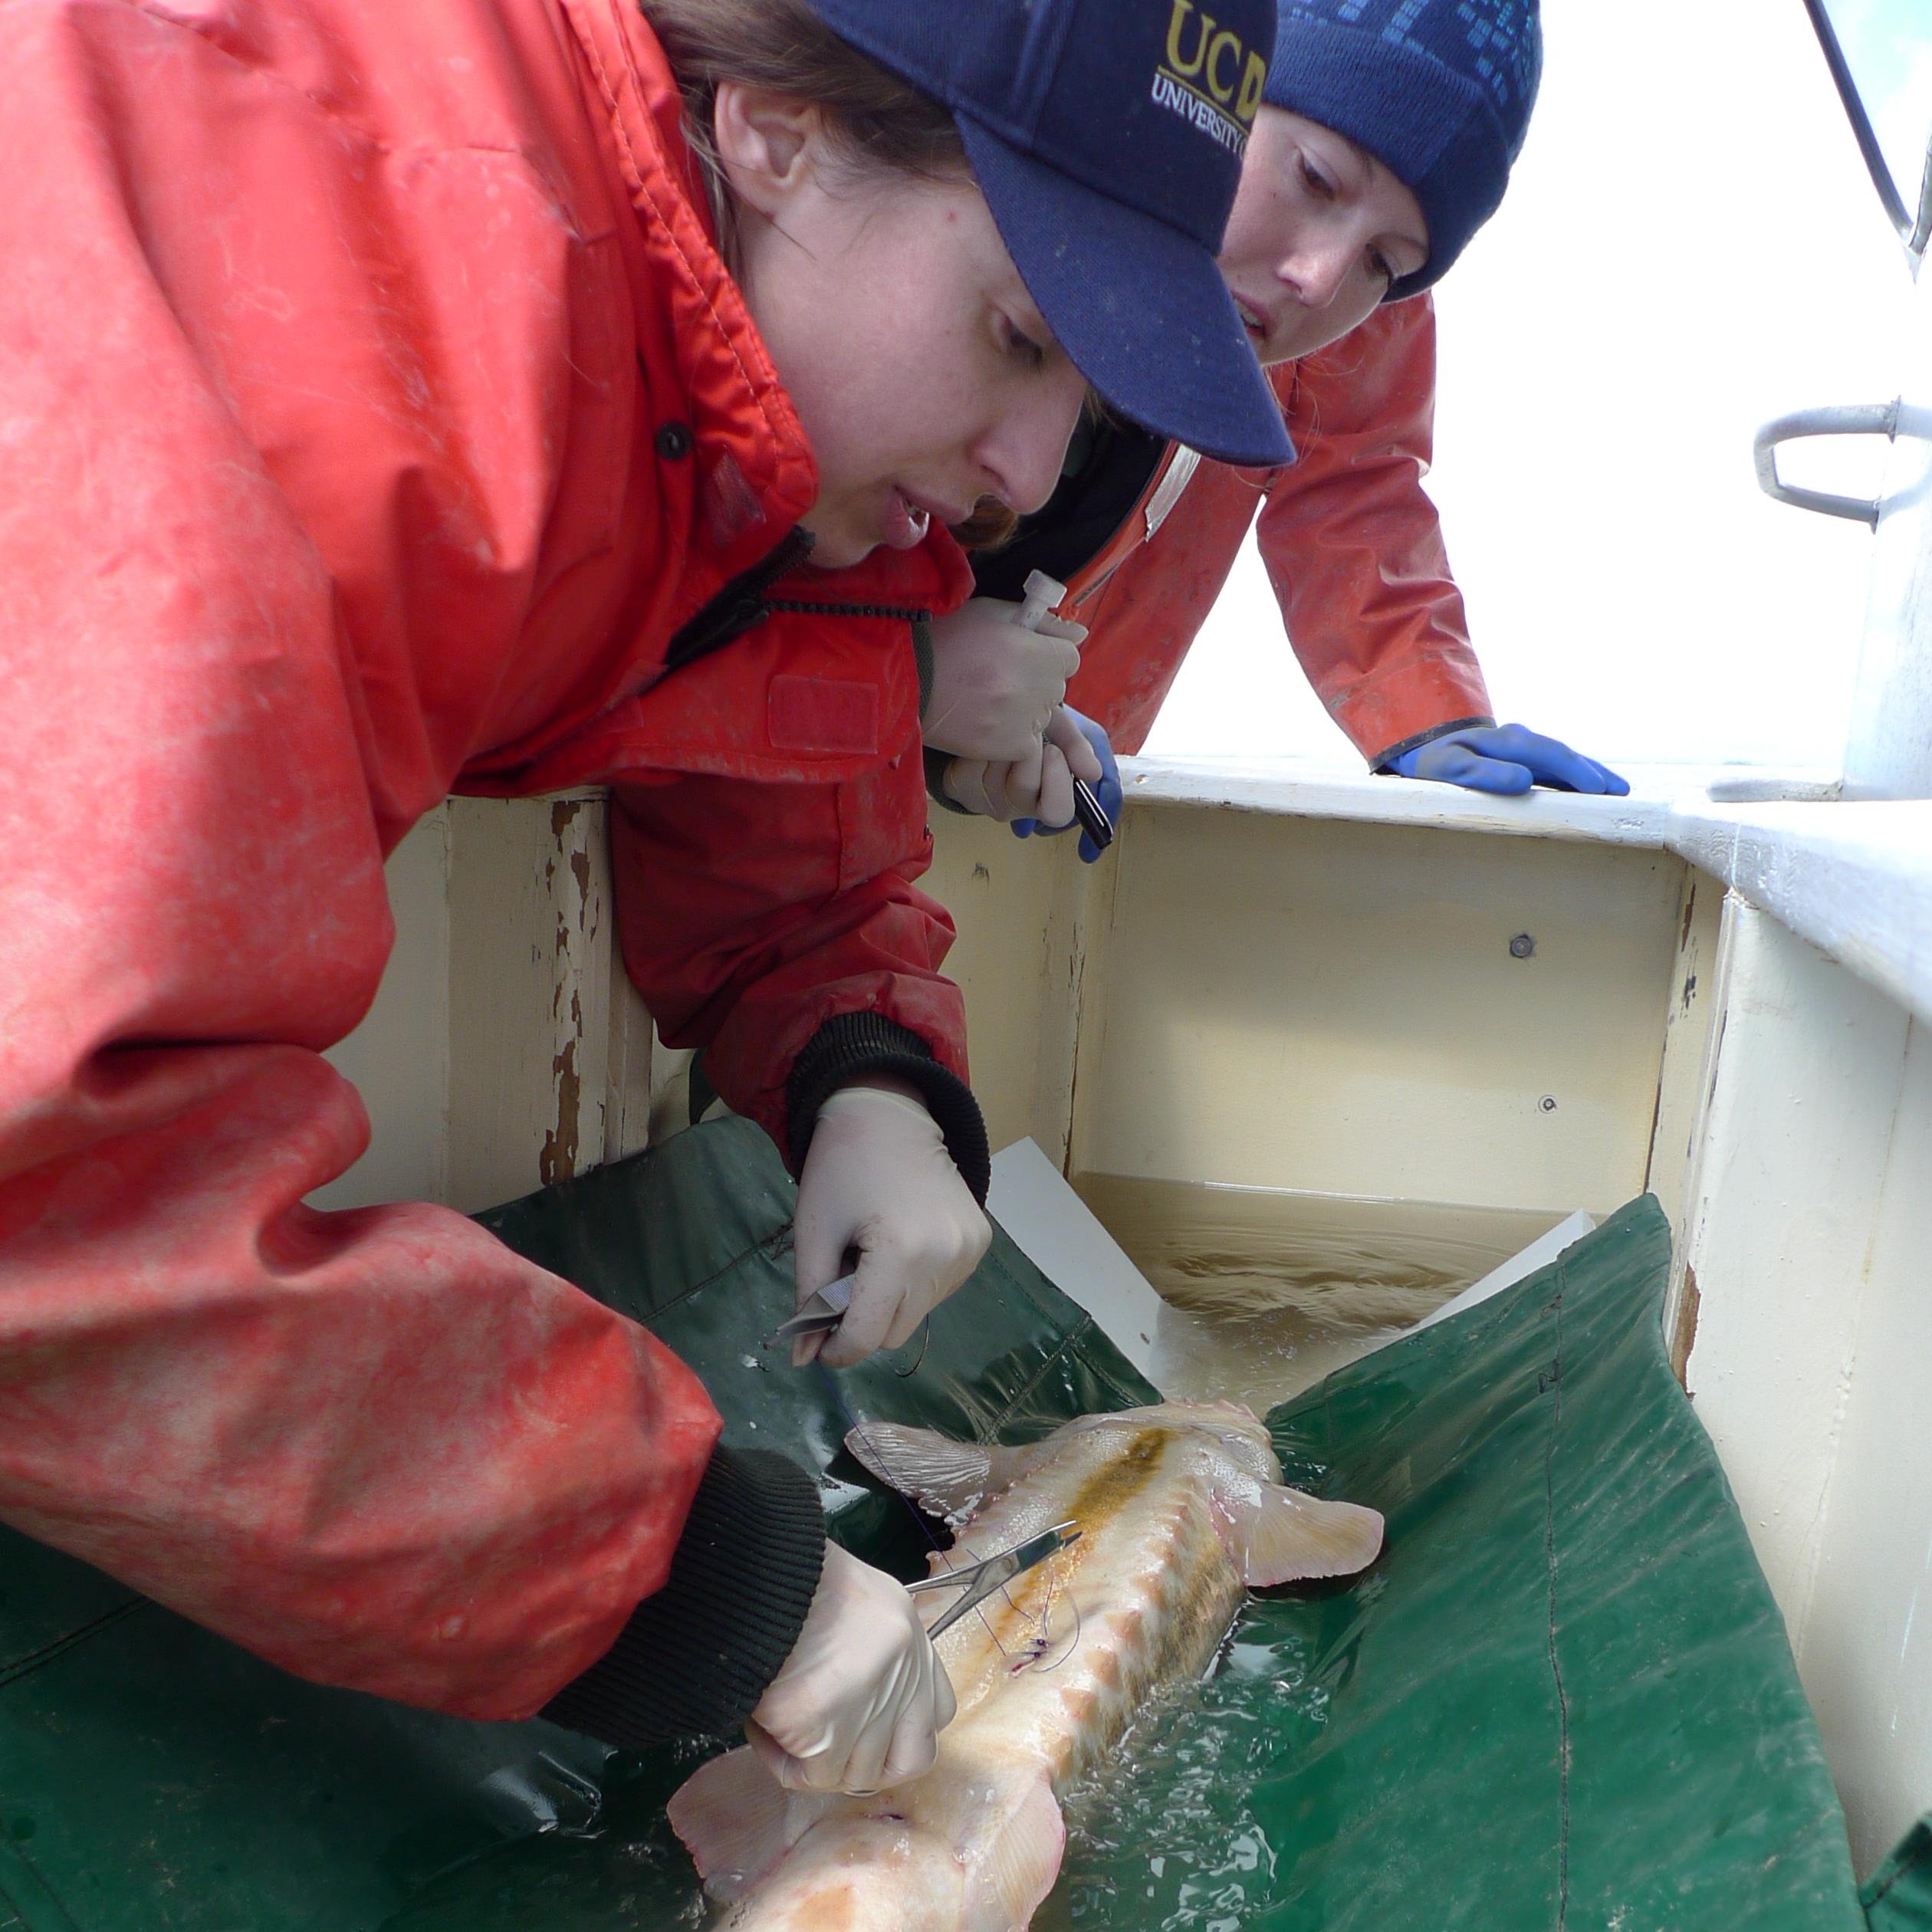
<point>1539,1254</point>
<point>1056,1231</point>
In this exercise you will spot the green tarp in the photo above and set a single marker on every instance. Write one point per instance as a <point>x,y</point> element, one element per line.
<point>1898,1897</point>
<point>1563,1699</point>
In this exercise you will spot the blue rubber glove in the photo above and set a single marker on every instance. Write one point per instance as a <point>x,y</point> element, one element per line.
<point>1506,758</point>
<point>1108,791</point>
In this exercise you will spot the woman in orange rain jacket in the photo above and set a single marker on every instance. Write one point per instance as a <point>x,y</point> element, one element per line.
<point>492,394</point>
<point>1385,141</point>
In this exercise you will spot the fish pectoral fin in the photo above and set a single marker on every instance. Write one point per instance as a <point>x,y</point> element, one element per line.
<point>737,1820</point>
<point>950,1479</point>
<point>1296,1536</point>
<point>1005,1891</point>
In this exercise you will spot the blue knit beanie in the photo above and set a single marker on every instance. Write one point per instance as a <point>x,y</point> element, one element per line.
<point>1439,91</point>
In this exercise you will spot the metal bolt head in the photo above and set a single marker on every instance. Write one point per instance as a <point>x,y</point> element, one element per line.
<point>1522,946</point>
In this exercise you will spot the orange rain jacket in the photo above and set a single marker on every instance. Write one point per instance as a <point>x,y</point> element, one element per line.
<point>1352,545</point>
<point>375,412</point>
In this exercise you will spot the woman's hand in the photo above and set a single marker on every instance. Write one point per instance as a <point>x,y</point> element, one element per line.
<point>1507,759</point>
<point>1106,789</point>
<point>1039,786</point>
<point>861,1701</point>
<point>994,684</point>
<point>878,1178</point>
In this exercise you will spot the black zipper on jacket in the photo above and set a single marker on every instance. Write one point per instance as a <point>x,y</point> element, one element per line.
<point>742,604</point>
<point>905,613</point>
<point>737,607</point>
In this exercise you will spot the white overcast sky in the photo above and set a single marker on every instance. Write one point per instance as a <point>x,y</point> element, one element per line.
<point>1691,245</point>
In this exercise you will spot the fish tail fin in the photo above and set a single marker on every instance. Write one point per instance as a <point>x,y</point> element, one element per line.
<point>737,1820</point>
<point>1025,1861</point>
<point>1296,1536</point>
<point>950,1479</point>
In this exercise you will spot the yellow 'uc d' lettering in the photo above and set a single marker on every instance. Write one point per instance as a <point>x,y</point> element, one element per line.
<point>1251,85</point>
<point>1225,42</point>
<point>1179,65</point>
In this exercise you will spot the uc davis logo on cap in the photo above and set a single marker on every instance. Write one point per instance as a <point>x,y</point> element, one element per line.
<point>1209,77</point>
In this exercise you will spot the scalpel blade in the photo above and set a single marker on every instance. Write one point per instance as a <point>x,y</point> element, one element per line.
<point>825,1309</point>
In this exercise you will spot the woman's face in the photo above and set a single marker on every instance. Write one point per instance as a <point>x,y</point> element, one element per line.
<point>1318,231</point>
<point>920,368</point>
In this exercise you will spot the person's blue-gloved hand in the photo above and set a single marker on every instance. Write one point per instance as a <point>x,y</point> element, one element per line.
<point>1107,789</point>
<point>1506,758</point>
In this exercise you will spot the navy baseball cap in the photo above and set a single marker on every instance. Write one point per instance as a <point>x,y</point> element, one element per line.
<point>1107,137</point>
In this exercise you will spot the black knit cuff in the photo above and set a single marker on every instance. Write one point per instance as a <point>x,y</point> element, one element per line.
<point>695,1658</point>
<point>922,661</point>
<point>936,763</point>
<point>850,1044</point>
<point>1379,765</point>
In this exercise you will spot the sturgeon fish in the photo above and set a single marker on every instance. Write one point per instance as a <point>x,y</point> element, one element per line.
<point>1180,1508</point>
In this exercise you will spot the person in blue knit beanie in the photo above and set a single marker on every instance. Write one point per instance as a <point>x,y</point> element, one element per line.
<point>1438,92</point>
<point>1385,139</point>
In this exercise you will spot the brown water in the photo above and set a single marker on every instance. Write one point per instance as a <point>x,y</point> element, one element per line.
<point>1269,1290</point>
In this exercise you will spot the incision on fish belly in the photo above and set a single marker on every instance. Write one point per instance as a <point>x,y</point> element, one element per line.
<point>1141,1579</point>
<point>1164,1607</point>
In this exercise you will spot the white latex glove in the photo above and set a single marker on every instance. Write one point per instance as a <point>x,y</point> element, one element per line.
<point>1039,786</point>
<point>861,1701</point>
<point>878,1179</point>
<point>994,684</point>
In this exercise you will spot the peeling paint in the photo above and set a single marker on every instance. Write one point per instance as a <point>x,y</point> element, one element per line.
<point>562,1148</point>
<point>559,1158</point>
<point>1684,1335</point>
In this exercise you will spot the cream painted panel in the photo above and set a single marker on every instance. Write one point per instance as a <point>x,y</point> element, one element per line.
<point>1865,1647</point>
<point>398,1058</point>
<point>628,1080</point>
<point>1679,1193</point>
<point>1797,1130</point>
<point>542,1019</point>
<point>1019,904</point>
<point>1690,999</point>
<point>505,1048</point>
<point>1855,878</point>
<point>1334,1007</point>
